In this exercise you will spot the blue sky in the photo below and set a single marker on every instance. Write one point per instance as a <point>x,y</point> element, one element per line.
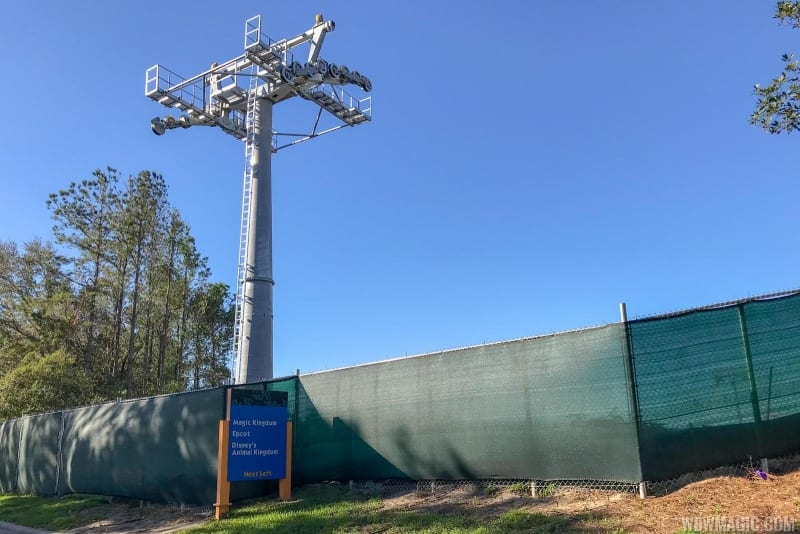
<point>529,166</point>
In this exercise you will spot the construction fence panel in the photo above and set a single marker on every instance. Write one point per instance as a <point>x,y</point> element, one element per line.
<point>715,386</point>
<point>39,453</point>
<point>9,454</point>
<point>552,407</point>
<point>158,448</point>
<point>773,328</point>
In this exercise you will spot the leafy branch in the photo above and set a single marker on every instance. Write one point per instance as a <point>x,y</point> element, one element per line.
<point>778,105</point>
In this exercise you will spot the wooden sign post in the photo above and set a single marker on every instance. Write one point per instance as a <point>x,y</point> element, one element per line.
<point>285,484</point>
<point>223,504</point>
<point>252,445</point>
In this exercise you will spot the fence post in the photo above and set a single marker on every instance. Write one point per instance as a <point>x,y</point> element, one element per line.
<point>285,484</point>
<point>748,356</point>
<point>632,395</point>
<point>223,504</point>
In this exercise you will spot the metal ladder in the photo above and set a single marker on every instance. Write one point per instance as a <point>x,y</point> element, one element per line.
<point>250,119</point>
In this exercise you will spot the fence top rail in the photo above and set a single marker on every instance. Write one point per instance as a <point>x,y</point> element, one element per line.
<point>459,349</point>
<point>719,305</point>
<point>118,401</point>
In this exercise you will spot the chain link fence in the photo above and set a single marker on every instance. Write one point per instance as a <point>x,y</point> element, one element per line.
<point>536,488</point>
<point>750,468</point>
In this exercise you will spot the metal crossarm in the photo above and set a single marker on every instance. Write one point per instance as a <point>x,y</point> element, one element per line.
<point>340,104</point>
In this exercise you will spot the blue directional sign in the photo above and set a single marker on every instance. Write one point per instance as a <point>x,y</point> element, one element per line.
<point>257,441</point>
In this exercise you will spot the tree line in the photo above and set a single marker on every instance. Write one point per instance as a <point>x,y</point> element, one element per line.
<point>118,303</point>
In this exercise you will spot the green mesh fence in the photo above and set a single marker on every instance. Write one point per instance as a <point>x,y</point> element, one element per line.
<point>774,336</point>
<point>9,455</point>
<point>39,453</point>
<point>549,407</point>
<point>716,386</point>
<point>160,448</point>
<point>709,386</point>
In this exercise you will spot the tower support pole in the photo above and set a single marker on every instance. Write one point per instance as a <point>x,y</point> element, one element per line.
<point>256,326</point>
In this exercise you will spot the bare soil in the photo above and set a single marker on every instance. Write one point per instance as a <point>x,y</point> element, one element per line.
<point>705,496</point>
<point>701,496</point>
<point>130,516</point>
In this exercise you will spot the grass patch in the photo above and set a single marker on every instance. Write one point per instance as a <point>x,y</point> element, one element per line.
<point>51,513</point>
<point>491,489</point>
<point>528,522</point>
<point>520,488</point>
<point>547,491</point>
<point>332,510</point>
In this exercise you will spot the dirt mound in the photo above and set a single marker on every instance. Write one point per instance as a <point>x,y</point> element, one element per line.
<point>716,503</point>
